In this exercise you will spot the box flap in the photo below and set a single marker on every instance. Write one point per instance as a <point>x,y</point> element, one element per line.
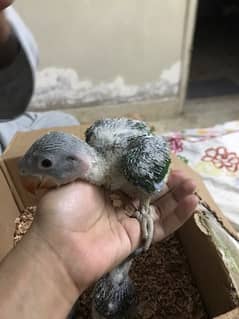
<point>209,271</point>
<point>230,315</point>
<point>9,213</point>
<point>202,191</point>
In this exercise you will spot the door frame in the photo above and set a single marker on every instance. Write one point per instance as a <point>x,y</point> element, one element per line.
<point>189,30</point>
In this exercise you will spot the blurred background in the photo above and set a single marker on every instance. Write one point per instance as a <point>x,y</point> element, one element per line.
<point>102,40</point>
<point>106,51</point>
<point>155,58</point>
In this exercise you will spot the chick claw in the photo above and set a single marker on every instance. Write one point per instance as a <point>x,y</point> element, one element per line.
<point>145,217</point>
<point>116,200</point>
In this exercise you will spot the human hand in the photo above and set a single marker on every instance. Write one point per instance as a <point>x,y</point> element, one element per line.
<point>91,237</point>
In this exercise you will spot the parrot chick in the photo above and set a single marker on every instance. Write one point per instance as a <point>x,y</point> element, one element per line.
<point>63,158</point>
<point>139,163</point>
<point>114,295</point>
<point>120,154</point>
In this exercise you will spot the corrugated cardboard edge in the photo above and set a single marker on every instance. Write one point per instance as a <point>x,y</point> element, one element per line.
<point>230,315</point>
<point>9,212</point>
<point>208,268</point>
<point>11,185</point>
<point>203,193</point>
<point>209,271</point>
<point>228,228</point>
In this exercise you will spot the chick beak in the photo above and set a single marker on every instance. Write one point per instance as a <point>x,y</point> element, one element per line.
<point>47,183</point>
<point>41,182</point>
<point>31,183</point>
<point>36,184</point>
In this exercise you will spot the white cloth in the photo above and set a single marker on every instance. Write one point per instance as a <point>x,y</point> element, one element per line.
<point>214,154</point>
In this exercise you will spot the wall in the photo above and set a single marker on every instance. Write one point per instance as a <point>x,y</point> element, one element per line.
<point>133,40</point>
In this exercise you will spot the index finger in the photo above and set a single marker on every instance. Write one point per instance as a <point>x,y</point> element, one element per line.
<point>174,220</point>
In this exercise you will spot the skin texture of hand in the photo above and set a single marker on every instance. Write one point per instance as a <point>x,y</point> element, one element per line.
<point>91,237</point>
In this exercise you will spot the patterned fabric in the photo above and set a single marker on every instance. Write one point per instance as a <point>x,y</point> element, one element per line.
<point>214,154</point>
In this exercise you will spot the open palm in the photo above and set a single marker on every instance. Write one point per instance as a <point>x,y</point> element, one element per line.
<point>91,236</point>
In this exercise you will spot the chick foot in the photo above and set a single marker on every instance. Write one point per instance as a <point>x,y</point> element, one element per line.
<point>145,217</point>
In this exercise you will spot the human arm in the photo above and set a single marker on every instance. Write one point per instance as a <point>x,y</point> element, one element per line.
<point>76,237</point>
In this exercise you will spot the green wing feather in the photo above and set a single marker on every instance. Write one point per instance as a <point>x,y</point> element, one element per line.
<point>146,163</point>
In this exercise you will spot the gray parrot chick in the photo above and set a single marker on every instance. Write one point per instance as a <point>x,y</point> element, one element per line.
<point>146,167</point>
<point>114,295</point>
<point>62,158</point>
<point>120,154</point>
<point>138,160</point>
<point>113,134</point>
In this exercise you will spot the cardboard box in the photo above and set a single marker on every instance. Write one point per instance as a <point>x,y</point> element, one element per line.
<point>219,291</point>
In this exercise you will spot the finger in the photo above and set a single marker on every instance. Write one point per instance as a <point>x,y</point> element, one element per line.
<point>175,220</point>
<point>169,202</point>
<point>175,178</point>
<point>187,187</point>
<point>132,228</point>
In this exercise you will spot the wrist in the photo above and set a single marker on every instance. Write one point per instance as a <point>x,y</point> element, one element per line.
<point>51,265</point>
<point>34,280</point>
<point>62,245</point>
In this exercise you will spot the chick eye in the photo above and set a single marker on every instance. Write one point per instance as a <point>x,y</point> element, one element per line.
<point>46,163</point>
